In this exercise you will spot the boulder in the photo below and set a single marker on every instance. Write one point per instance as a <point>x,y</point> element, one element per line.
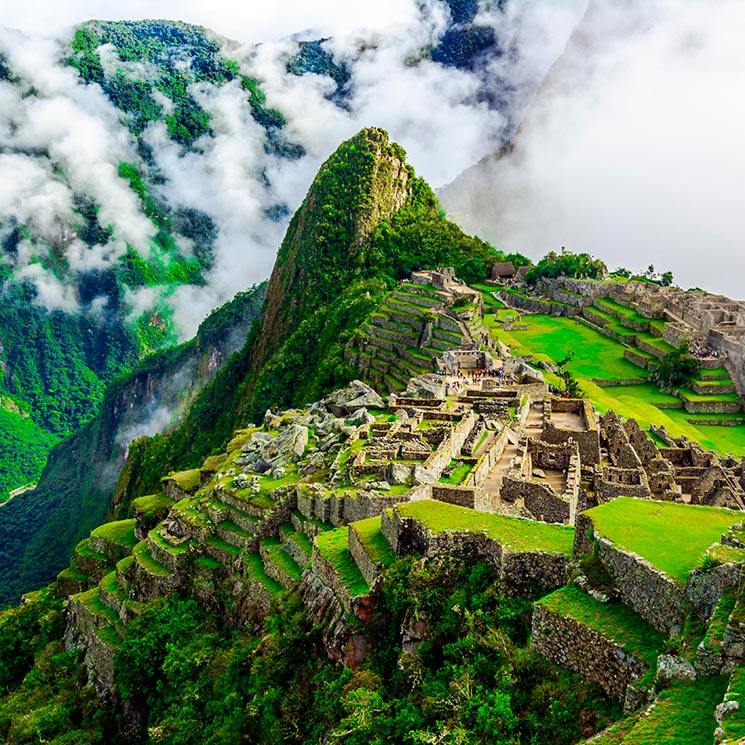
<point>290,444</point>
<point>360,417</point>
<point>671,667</point>
<point>397,473</point>
<point>425,386</point>
<point>423,476</point>
<point>356,396</point>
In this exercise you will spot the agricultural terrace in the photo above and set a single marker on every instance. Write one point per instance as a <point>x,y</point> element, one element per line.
<point>514,533</point>
<point>600,358</point>
<point>671,536</point>
<point>614,621</point>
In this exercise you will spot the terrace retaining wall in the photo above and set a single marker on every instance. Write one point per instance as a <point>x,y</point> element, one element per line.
<point>654,595</point>
<point>585,651</point>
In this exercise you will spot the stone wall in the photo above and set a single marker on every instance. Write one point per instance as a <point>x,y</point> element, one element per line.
<point>487,461</point>
<point>325,571</point>
<point>655,596</point>
<point>450,447</point>
<point>588,439</point>
<point>519,572</point>
<point>617,482</point>
<point>523,571</point>
<point>370,569</point>
<point>636,359</point>
<point>536,305</point>
<point>80,633</point>
<point>704,587</point>
<point>313,500</point>
<point>585,651</point>
<point>539,499</point>
<point>462,496</point>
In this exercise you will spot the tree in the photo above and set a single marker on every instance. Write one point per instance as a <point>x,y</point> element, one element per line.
<point>666,278</point>
<point>570,387</point>
<point>675,369</point>
<point>567,264</point>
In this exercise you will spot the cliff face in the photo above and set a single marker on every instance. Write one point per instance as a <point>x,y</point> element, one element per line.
<point>363,183</point>
<point>41,527</point>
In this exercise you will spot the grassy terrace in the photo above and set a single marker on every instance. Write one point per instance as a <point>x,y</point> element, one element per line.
<point>255,567</point>
<point>628,313</point>
<point>302,541</point>
<point>186,480</point>
<point>512,532</point>
<point>152,504</point>
<point>121,532</point>
<point>460,472</point>
<point>714,396</point>
<point>142,553</point>
<point>614,621</point>
<point>600,357</point>
<point>714,373</point>
<point>734,723</point>
<point>684,715</point>
<point>334,547</point>
<point>486,293</point>
<point>671,536</point>
<point>373,541</point>
<point>84,550</point>
<point>277,555</point>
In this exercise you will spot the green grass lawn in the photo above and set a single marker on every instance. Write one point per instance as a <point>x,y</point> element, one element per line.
<point>714,373</point>
<point>614,621</point>
<point>734,723</point>
<point>629,313</point>
<point>255,568</point>
<point>512,532</point>
<point>598,356</point>
<point>486,293</point>
<point>120,531</point>
<point>334,547</point>
<point>186,480</point>
<point>671,536</point>
<point>277,555</point>
<point>142,553</point>
<point>684,715</point>
<point>152,503</point>
<point>373,541</point>
<point>460,472</point>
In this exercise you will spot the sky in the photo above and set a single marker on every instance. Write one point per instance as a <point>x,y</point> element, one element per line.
<point>243,21</point>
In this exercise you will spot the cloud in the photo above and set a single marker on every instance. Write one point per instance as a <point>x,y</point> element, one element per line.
<point>435,112</point>
<point>633,150</point>
<point>62,139</point>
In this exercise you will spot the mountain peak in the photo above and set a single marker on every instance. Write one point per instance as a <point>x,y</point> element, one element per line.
<point>364,182</point>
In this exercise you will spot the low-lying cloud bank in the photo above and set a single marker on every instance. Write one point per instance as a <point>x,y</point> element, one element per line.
<point>633,150</point>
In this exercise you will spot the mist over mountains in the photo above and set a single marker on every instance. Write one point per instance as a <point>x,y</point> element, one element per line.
<point>631,150</point>
<point>450,88</point>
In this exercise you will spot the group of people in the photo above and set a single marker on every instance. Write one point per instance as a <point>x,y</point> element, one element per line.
<point>700,350</point>
<point>476,375</point>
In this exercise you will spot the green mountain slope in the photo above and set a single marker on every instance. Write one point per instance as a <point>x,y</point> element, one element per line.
<point>40,527</point>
